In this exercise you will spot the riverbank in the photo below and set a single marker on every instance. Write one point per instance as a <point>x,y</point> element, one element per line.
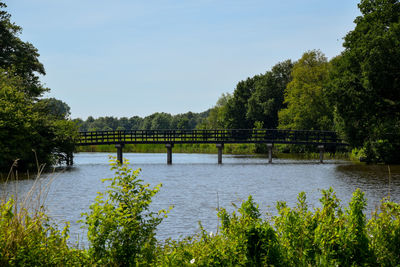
<point>330,235</point>
<point>245,149</point>
<point>233,149</point>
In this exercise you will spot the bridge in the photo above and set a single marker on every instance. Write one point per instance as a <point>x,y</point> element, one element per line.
<point>217,137</point>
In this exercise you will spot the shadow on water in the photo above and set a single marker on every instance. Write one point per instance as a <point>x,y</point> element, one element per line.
<point>372,172</point>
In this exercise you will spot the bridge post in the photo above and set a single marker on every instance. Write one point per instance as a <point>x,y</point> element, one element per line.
<point>119,153</point>
<point>70,159</point>
<point>169,152</point>
<point>270,146</point>
<point>321,153</point>
<point>220,148</point>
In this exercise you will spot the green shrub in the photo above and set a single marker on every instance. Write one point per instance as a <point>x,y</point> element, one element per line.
<point>121,229</point>
<point>29,239</point>
<point>384,234</point>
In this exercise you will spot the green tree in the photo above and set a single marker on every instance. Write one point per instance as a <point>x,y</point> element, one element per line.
<point>236,108</point>
<point>17,120</point>
<point>27,123</point>
<point>365,81</point>
<point>161,121</point>
<point>305,96</point>
<point>55,108</point>
<point>267,98</point>
<point>217,115</point>
<point>18,56</point>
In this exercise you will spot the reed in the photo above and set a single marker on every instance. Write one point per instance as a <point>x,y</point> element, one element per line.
<point>27,236</point>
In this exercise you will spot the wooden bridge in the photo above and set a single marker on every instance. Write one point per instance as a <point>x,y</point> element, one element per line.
<point>218,137</point>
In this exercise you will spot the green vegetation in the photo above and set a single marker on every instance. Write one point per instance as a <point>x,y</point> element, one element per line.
<point>355,94</point>
<point>27,121</point>
<point>254,101</point>
<point>121,232</point>
<point>121,229</point>
<point>178,148</point>
<point>305,97</point>
<point>365,85</point>
<point>154,121</point>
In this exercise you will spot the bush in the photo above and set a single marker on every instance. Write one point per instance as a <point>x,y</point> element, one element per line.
<point>121,229</point>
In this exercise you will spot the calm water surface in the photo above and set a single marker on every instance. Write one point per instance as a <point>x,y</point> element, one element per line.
<point>195,185</point>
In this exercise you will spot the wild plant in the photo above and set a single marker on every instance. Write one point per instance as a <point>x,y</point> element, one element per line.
<point>27,236</point>
<point>121,227</point>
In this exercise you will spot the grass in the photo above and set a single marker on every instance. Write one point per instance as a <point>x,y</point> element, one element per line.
<point>178,148</point>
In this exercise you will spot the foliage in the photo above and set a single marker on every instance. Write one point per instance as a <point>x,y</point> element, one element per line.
<point>27,125</point>
<point>18,56</point>
<point>245,240</point>
<point>365,81</point>
<point>305,96</point>
<point>26,122</point>
<point>258,99</point>
<point>121,232</point>
<point>121,229</point>
<point>268,96</point>
<point>384,234</point>
<point>327,236</point>
<point>29,238</point>
<point>154,121</point>
<point>217,114</point>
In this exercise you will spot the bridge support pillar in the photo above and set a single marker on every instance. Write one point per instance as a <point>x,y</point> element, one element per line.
<point>119,153</point>
<point>270,146</point>
<point>220,149</point>
<point>70,159</point>
<point>321,153</point>
<point>169,152</point>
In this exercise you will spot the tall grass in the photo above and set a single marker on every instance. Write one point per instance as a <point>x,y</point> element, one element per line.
<point>27,236</point>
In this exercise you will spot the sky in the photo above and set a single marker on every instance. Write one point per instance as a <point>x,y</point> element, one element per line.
<point>127,58</point>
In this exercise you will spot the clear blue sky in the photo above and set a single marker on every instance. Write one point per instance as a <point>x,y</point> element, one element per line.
<point>126,57</point>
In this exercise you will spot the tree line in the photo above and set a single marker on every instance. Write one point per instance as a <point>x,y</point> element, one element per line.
<point>356,93</point>
<point>158,120</point>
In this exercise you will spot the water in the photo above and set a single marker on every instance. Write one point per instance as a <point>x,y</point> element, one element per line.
<point>195,185</point>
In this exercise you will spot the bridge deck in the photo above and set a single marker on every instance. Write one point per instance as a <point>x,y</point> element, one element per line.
<point>273,136</point>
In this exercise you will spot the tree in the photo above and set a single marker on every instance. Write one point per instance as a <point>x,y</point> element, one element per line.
<point>161,121</point>
<point>217,116</point>
<point>18,56</point>
<point>365,81</point>
<point>305,96</point>
<point>268,95</point>
<point>25,127</point>
<point>236,108</point>
<point>27,123</point>
<point>55,108</point>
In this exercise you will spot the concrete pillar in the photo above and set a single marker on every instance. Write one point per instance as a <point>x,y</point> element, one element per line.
<point>169,152</point>
<point>270,146</point>
<point>119,153</point>
<point>220,148</point>
<point>321,153</point>
<point>70,159</point>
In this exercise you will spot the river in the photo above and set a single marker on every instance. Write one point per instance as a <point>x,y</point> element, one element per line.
<point>196,185</point>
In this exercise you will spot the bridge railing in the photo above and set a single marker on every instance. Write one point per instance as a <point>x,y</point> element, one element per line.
<point>210,136</point>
